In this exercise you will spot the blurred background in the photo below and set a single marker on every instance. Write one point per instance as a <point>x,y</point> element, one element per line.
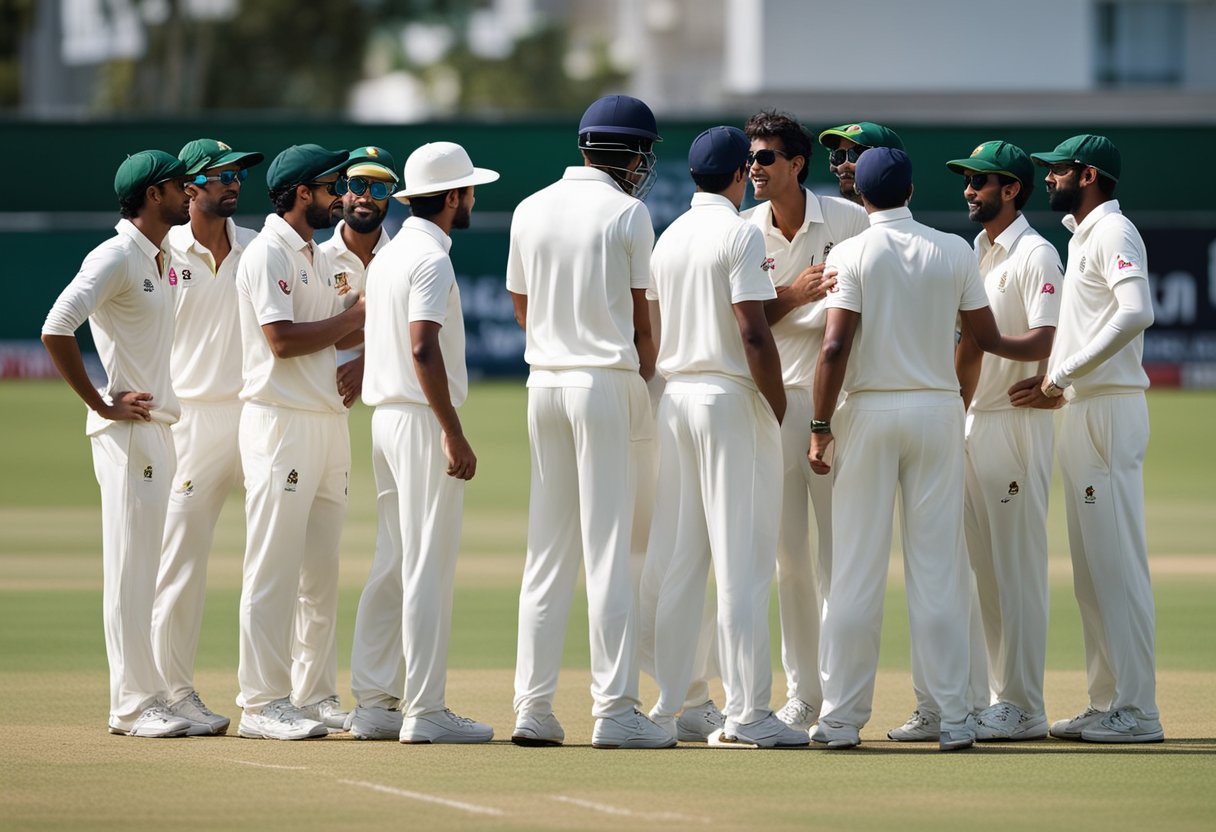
<point>84,82</point>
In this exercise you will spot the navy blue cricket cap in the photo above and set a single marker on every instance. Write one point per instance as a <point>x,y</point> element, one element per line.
<point>303,163</point>
<point>718,150</point>
<point>883,175</point>
<point>620,114</point>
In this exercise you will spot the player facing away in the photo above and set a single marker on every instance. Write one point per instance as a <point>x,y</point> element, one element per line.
<point>799,229</point>
<point>416,379</point>
<point>122,289</point>
<point>295,452</point>
<point>719,493</point>
<point>845,145</point>
<point>1008,453</point>
<point>1102,440</point>
<point>577,271</point>
<point>206,370</point>
<point>889,343</point>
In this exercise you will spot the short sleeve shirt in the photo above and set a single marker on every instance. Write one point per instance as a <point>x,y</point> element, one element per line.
<point>129,306</point>
<point>412,280</point>
<point>908,282</point>
<point>1024,281</point>
<point>706,261</point>
<point>828,220</point>
<point>277,282</point>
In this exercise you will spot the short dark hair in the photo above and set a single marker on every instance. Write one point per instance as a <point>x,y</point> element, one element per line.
<point>890,201</point>
<point>425,207</point>
<point>283,198</point>
<point>1106,185</point>
<point>130,206</point>
<point>796,140</point>
<point>1023,193</point>
<point>716,183</point>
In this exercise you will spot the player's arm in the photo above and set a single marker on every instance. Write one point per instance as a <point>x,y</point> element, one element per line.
<point>520,303</point>
<point>829,379</point>
<point>968,361</point>
<point>433,377</point>
<point>350,379</point>
<point>1133,315</point>
<point>643,339</point>
<point>809,286</point>
<point>65,354</point>
<point>291,339</point>
<point>761,351</point>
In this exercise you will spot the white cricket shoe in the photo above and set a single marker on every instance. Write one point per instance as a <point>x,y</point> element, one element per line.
<point>1070,729</point>
<point>280,720</point>
<point>443,727</point>
<point>920,727</point>
<point>768,732</point>
<point>156,722</point>
<point>329,713</point>
<point>836,735</point>
<point>1124,725</point>
<point>696,724</point>
<point>205,722</point>
<point>537,731</point>
<point>955,739</point>
<point>375,723</point>
<point>631,730</point>
<point>1004,721</point>
<point>797,713</point>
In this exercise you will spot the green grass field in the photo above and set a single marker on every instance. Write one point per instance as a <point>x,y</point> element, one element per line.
<point>59,769</point>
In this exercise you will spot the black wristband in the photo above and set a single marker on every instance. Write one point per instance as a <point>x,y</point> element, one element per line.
<point>818,426</point>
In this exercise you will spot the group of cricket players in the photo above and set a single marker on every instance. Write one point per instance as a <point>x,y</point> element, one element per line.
<point>692,404</point>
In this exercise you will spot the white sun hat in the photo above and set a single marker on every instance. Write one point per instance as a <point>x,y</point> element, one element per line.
<point>440,166</point>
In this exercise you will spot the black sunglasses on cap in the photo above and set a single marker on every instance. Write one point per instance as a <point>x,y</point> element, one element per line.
<point>838,157</point>
<point>765,157</point>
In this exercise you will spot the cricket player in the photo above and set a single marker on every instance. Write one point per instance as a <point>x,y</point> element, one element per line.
<point>846,143</point>
<point>295,452</point>
<point>719,447</point>
<point>206,370</point>
<point>889,343</point>
<point>123,291</point>
<point>365,187</point>
<point>799,229</point>
<point>1008,453</point>
<point>416,379</point>
<point>1102,440</point>
<point>578,268</point>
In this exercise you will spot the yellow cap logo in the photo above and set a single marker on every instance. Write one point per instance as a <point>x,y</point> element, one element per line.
<point>978,150</point>
<point>853,128</point>
<point>371,151</point>
<point>223,146</point>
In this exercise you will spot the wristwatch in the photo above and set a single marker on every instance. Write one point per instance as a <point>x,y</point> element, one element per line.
<point>820,426</point>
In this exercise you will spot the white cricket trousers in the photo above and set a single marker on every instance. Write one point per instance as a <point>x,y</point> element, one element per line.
<point>914,441</point>
<point>1102,442</point>
<point>404,622</point>
<point>803,572</point>
<point>581,508</point>
<point>296,466</point>
<point>134,464</point>
<point>719,502</point>
<point>1005,522</point>
<point>208,469</point>
<point>648,573</point>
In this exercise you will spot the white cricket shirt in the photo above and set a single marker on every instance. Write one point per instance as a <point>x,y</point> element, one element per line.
<point>578,247</point>
<point>276,282</point>
<point>349,273</point>
<point>908,282</point>
<point>412,280</point>
<point>707,260</point>
<point>206,361</point>
<point>1024,281</point>
<point>828,220</point>
<point>1105,249</point>
<point>129,307</point>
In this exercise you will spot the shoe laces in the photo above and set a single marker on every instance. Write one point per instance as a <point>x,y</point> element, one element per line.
<point>197,701</point>
<point>918,720</point>
<point>458,719</point>
<point>1121,720</point>
<point>999,714</point>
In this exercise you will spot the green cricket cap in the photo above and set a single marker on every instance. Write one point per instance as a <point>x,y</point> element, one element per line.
<point>1087,149</point>
<point>147,167</point>
<point>303,163</point>
<point>372,161</point>
<point>998,157</point>
<point>204,154</point>
<point>865,133</point>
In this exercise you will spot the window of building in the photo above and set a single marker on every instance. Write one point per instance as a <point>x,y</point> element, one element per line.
<point>1139,43</point>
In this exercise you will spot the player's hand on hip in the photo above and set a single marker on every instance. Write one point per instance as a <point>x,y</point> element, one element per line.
<point>128,406</point>
<point>820,453</point>
<point>1029,393</point>
<point>462,462</point>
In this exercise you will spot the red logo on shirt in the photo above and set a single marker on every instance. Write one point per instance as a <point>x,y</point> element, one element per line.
<point>1048,289</point>
<point>283,285</point>
<point>835,288</point>
<point>172,277</point>
<point>1124,264</point>
<point>768,265</point>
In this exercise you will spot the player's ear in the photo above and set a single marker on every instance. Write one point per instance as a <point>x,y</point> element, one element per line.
<point>1010,192</point>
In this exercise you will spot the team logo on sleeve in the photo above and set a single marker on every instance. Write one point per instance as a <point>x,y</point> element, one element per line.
<point>293,479</point>
<point>172,276</point>
<point>1000,284</point>
<point>768,265</point>
<point>283,285</point>
<point>148,286</point>
<point>304,276</point>
<point>1122,264</point>
<point>341,284</point>
<point>186,489</point>
<point>1090,497</point>
<point>1048,289</point>
<point>827,248</point>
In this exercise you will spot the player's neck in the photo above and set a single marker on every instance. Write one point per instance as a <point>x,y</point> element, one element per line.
<point>361,244</point>
<point>997,226</point>
<point>211,232</point>
<point>1088,204</point>
<point>789,211</point>
<point>151,227</point>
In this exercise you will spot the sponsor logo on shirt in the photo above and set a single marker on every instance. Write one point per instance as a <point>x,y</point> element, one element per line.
<point>293,479</point>
<point>1013,492</point>
<point>1082,266</point>
<point>186,489</point>
<point>1000,284</point>
<point>185,275</point>
<point>768,265</point>
<point>148,286</point>
<point>148,473</point>
<point>1123,264</point>
<point>304,276</point>
<point>826,249</point>
<point>172,277</point>
<point>282,285</point>
<point>1048,289</point>
<point>1090,497</point>
<point>341,283</point>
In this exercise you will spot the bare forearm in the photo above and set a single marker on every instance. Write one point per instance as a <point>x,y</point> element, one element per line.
<point>968,361</point>
<point>433,377</point>
<point>65,354</point>
<point>782,305</point>
<point>1034,345</point>
<point>765,365</point>
<point>289,339</point>
<point>829,379</point>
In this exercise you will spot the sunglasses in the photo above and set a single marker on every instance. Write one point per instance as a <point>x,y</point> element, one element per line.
<point>765,157</point>
<point>224,177</point>
<point>1064,168</point>
<point>331,188</point>
<point>838,157</point>
<point>359,185</point>
<point>976,181</point>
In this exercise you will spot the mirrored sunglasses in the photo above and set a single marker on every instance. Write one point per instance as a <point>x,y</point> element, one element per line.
<point>224,177</point>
